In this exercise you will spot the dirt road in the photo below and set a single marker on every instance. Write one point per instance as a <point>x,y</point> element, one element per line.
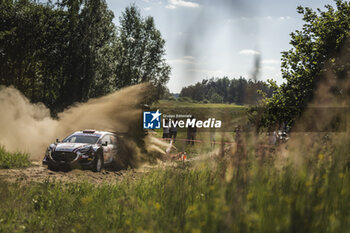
<point>39,173</point>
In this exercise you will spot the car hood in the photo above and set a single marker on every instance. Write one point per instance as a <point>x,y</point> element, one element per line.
<point>70,147</point>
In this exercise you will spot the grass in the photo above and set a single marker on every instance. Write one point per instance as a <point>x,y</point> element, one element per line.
<point>13,160</point>
<point>218,195</point>
<point>179,104</point>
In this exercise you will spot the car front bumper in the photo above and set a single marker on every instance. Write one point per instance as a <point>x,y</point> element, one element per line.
<point>80,162</point>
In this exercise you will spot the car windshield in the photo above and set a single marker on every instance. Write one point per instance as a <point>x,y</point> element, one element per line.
<point>81,139</point>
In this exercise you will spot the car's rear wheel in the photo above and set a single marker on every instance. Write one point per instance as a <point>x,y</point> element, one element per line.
<point>98,164</point>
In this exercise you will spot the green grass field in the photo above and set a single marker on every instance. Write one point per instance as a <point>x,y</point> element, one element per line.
<point>13,160</point>
<point>179,104</point>
<point>215,195</point>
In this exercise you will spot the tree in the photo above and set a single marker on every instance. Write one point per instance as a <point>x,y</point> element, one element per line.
<point>315,50</point>
<point>30,48</point>
<point>59,53</point>
<point>224,90</point>
<point>89,57</point>
<point>141,52</point>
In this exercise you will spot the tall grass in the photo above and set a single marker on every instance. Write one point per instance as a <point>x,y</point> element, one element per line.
<point>13,160</point>
<point>219,195</point>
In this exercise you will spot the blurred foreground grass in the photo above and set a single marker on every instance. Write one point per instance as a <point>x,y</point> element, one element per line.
<point>216,195</point>
<point>13,160</point>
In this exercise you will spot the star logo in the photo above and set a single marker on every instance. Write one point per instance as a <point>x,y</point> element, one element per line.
<point>156,115</point>
<point>151,120</point>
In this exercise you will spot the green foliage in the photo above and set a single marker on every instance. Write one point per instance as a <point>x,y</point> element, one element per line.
<point>57,53</point>
<point>224,90</point>
<point>315,51</point>
<point>141,51</point>
<point>185,99</point>
<point>69,51</point>
<point>216,98</point>
<point>185,102</point>
<point>13,160</point>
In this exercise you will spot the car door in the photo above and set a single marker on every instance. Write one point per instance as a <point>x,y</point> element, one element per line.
<point>114,148</point>
<point>107,150</point>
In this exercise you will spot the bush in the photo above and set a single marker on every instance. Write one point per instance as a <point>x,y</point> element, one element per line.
<point>172,98</point>
<point>216,98</point>
<point>13,160</point>
<point>185,99</point>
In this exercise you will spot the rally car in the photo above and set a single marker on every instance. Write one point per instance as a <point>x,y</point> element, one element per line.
<point>89,149</point>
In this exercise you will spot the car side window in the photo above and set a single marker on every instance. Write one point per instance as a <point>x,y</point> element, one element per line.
<point>72,139</point>
<point>106,139</point>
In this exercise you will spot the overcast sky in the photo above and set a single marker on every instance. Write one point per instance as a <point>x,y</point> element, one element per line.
<point>216,38</point>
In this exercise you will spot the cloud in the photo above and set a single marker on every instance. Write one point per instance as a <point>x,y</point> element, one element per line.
<point>268,68</point>
<point>183,60</point>
<point>257,18</point>
<point>249,52</point>
<point>173,4</point>
<point>171,7</point>
<point>284,17</point>
<point>147,8</point>
<point>270,61</point>
<point>153,2</point>
<point>189,58</point>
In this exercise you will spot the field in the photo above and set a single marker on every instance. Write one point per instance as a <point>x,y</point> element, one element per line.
<point>205,196</point>
<point>260,189</point>
<point>234,114</point>
<point>179,104</point>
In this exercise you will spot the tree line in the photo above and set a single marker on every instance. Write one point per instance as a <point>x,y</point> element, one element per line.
<point>69,51</point>
<point>224,90</point>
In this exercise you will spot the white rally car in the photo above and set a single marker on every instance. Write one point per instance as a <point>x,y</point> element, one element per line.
<point>89,149</point>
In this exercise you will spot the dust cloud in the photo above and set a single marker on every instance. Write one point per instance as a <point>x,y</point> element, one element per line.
<point>24,126</point>
<point>28,127</point>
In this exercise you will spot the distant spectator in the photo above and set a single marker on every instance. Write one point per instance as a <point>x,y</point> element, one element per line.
<point>191,133</point>
<point>238,135</point>
<point>166,130</point>
<point>173,131</point>
<point>240,150</point>
<point>212,137</point>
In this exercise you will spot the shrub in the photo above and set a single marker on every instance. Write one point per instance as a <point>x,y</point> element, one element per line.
<point>13,160</point>
<point>216,98</point>
<point>185,99</point>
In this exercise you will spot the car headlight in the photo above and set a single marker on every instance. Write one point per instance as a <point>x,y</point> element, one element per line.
<point>49,152</point>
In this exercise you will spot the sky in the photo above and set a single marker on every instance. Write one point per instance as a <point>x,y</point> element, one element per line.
<point>217,38</point>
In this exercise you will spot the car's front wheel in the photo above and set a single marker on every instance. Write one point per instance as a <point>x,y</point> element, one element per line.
<point>98,163</point>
